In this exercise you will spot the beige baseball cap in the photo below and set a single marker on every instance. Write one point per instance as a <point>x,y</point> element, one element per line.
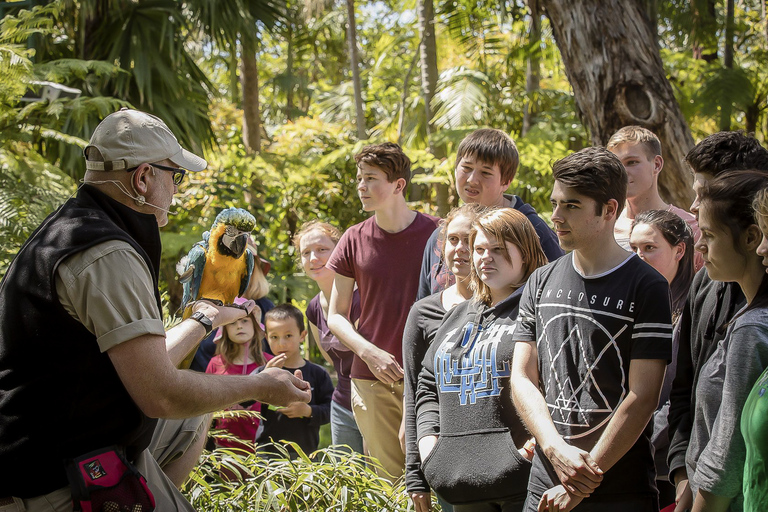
<point>129,138</point>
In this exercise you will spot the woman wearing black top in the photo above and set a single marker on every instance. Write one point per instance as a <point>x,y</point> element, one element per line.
<point>423,320</point>
<point>474,449</point>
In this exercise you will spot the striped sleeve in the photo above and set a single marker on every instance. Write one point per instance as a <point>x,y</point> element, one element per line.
<point>652,330</point>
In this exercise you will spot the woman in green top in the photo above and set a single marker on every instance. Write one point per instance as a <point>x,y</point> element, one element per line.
<point>754,417</point>
<point>754,428</point>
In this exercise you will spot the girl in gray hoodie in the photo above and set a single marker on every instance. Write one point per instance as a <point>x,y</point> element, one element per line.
<point>730,237</point>
<point>474,450</point>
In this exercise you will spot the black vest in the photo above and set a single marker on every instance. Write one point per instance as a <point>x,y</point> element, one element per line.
<point>60,397</point>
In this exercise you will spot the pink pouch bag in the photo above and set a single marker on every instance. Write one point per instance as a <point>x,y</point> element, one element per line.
<point>105,481</point>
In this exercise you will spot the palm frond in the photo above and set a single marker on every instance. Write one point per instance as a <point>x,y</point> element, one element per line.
<point>461,99</point>
<point>724,86</point>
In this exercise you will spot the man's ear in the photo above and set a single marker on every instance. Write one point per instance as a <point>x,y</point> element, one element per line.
<point>610,209</point>
<point>658,164</point>
<point>140,179</point>
<point>303,334</point>
<point>400,185</point>
<point>753,237</point>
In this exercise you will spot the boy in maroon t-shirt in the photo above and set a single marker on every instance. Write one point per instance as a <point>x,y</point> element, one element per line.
<point>383,256</point>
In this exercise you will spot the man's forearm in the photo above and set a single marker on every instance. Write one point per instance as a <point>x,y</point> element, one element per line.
<point>532,408</point>
<point>182,339</point>
<point>160,390</point>
<point>343,329</point>
<point>194,393</point>
<point>624,428</point>
<point>708,502</point>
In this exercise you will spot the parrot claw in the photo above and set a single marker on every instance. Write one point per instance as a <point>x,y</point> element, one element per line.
<point>187,276</point>
<point>215,302</point>
<point>238,306</point>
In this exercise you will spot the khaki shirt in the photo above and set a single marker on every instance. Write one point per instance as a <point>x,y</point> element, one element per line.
<point>108,288</point>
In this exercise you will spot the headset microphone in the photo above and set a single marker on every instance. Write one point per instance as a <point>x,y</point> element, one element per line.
<point>140,200</point>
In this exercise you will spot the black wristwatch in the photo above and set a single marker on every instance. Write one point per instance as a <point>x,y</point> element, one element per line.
<point>204,320</point>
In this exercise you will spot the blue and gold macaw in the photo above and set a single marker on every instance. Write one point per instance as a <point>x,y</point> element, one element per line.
<point>219,267</point>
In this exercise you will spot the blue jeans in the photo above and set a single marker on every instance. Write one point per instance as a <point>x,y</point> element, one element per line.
<point>636,504</point>
<point>344,430</point>
<point>444,505</point>
<point>491,506</point>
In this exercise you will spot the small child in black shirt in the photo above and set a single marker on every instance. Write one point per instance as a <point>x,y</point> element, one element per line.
<point>297,422</point>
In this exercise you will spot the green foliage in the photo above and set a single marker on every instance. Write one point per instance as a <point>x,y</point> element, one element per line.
<point>329,480</point>
<point>538,151</point>
<point>30,188</point>
<point>31,183</point>
<point>307,174</point>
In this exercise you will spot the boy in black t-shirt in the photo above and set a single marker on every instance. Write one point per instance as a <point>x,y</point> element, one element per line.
<point>594,334</point>
<point>297,422</point>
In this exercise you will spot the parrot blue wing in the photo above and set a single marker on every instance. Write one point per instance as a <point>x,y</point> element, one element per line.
<point>249,263</point>
<point>193,273</point>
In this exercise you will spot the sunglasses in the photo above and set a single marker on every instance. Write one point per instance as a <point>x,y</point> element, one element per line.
<point>178,174</point>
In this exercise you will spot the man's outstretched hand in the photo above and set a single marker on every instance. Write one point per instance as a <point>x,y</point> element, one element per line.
<point>279,388</point>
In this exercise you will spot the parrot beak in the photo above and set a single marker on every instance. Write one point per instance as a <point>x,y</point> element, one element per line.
<point>236,244</point>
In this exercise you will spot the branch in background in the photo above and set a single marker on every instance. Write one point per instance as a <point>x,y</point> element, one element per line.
<point>404,96</point>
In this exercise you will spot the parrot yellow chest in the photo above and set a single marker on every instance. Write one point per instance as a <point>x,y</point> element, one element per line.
<point>222,276</point>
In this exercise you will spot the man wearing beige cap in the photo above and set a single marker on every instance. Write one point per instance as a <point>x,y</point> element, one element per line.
<point>85,363</point>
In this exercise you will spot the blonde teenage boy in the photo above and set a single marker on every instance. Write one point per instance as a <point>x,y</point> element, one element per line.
<point>639,150</point>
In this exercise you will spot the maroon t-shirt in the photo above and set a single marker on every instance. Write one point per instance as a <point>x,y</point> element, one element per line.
<point>386,268</point>
<point>341,356</point>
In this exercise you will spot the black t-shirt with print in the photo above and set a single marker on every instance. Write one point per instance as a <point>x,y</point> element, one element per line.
<point>587,330</point>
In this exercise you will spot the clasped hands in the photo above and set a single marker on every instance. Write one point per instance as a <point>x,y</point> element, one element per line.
<point>382,364</point>
<point>579,475</point>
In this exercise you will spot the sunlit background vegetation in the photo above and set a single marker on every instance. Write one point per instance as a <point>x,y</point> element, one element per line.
<point>284,71</point>
<point>183,60</point>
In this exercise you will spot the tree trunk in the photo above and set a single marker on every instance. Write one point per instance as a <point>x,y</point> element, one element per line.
<point>249,78</point>
<point>354,62</point>
<point>704,30</point>
<point>751,116</point>
<point>533,67</point>
<point>90,20</point>
<point>289,76</point>
<point>618,79</point>
<point>764,4</point>
<point>404,98</point>
<point>652,16</point>
<point>726,107</point>
<point>429,76</point>
<point>234,80</point>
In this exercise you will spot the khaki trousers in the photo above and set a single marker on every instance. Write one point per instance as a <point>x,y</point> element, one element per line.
<point>170,440</point>
<point>378,410</point>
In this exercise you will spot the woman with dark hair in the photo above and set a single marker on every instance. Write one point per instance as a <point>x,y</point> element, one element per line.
<point>475,452</point>
<point>425,317</point>
<point>665,242</point>
<point>729,239</point>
